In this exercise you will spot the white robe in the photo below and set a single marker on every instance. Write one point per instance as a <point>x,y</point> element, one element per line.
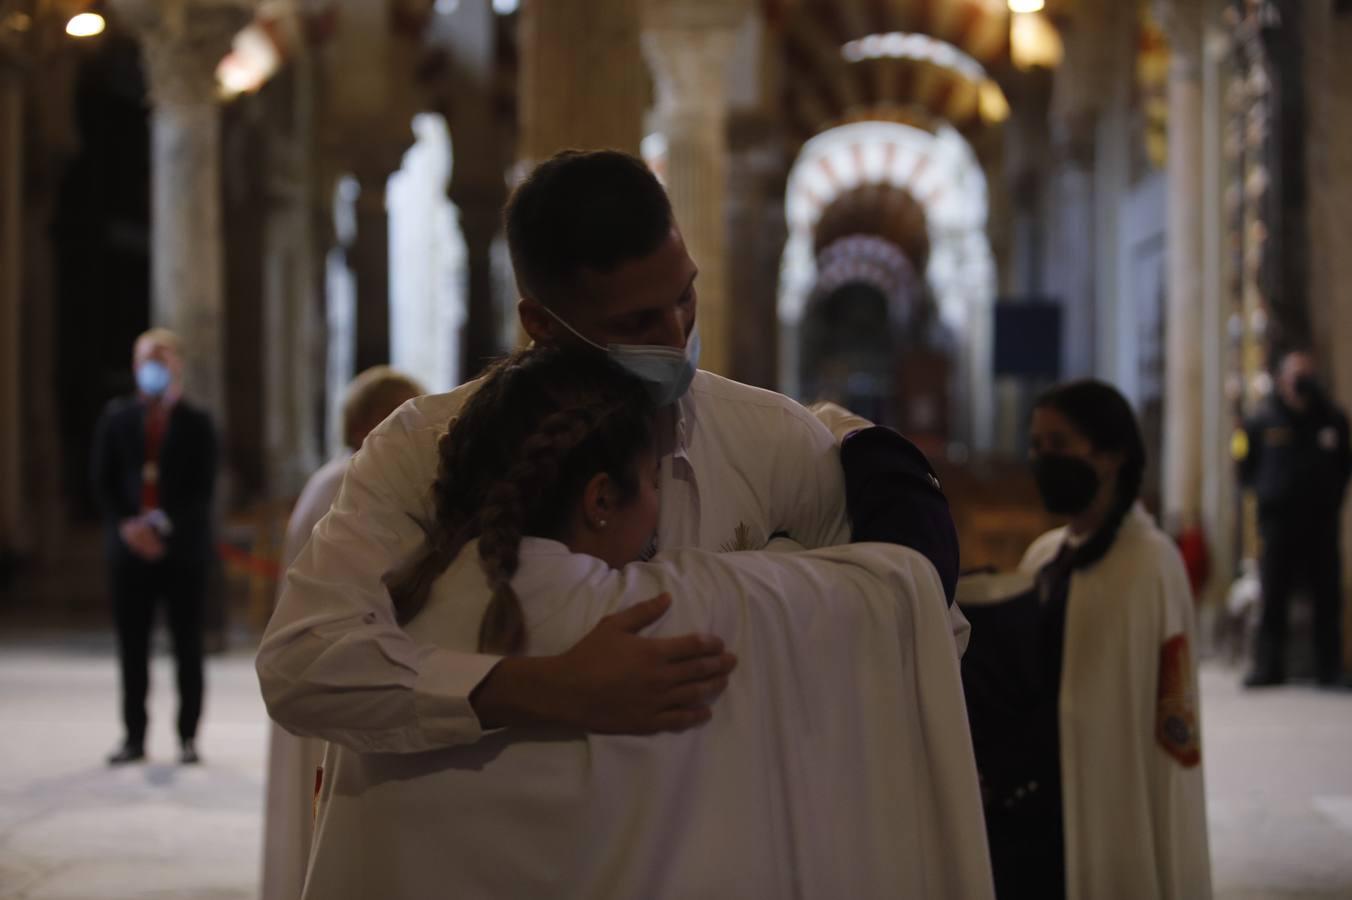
<point>838,762</point>
<point>1135,816</point>
<point>292,760</point>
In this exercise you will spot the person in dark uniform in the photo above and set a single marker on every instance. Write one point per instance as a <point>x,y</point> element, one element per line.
<point>1294,455</point>
<point>154,471</point>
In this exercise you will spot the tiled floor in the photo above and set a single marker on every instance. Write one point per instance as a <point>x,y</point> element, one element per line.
<point>1279,780</point>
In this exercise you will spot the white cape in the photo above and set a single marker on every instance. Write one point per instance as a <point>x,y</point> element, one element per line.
<point>838,762</point>
<point>1133,796</point>
<point>288,800</point>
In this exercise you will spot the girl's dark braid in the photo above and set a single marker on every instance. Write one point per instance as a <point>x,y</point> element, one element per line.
<point>452,529</point>
<point>507,509</point>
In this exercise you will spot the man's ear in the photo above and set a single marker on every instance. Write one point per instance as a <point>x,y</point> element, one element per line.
<point>598,501</point>
<point>538,323</point>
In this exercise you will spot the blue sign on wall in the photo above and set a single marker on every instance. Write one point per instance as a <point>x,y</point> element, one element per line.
<point>1028,338</point>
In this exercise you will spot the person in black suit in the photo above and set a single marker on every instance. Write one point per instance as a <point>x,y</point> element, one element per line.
<point>154,470</point>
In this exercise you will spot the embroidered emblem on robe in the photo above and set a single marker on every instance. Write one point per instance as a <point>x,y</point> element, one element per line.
<point>741,540</point>
<point>1175,706</point>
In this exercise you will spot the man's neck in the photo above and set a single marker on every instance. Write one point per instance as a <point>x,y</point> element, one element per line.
<point>666,430</point>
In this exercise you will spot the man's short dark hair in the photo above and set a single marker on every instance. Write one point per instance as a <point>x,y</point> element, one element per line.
<point>595,209</point>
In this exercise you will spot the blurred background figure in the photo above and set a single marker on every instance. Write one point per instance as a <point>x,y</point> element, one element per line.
<point>1082,687</point>
<point>154,470</point>
<point>293,762</point>
<point>1294,456</point>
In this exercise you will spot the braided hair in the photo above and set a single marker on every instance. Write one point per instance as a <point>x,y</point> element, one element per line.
<point>1099,412</point>
<point>516,461</point>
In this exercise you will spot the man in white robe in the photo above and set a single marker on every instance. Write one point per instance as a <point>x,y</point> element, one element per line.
<point>839,764</point>
<point>739,465</point>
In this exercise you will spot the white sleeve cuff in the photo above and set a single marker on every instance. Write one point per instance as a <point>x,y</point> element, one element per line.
<point>441,694</point>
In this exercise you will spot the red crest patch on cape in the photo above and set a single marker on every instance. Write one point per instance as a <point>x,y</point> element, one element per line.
<point>1176,726</point>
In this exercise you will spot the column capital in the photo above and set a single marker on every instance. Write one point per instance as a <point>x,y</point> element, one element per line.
<point>690,64</point>
<point>15,41</point>
<point>183,42</point>
<point>694,15</point>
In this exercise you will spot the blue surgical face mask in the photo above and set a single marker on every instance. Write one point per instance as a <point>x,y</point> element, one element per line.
<point>665,371</point>
<point>153,378</point>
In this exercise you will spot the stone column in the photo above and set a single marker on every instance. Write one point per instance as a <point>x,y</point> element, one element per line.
<point>757,227</point>
<point>1082,91</point>
<point>480,217</point>
<point>1218,484</point>
<point>51,140</point>
<point>182,44</point>
<point>1183,376</point>
<point>369,258</point>
<point>689,44</point>
<point>292,289</point>
<point>11,254</point>
<point>1069,252</point>
<point>582,82</point>
<point>478,185</point>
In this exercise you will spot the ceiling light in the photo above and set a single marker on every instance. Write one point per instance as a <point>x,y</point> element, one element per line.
<point>86,24</point>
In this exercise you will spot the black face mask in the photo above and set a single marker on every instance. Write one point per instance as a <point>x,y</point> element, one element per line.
<point>1068,484</point>
<point>1309,389</point>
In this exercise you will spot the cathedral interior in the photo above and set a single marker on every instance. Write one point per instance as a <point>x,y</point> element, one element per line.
<point>927,211</point>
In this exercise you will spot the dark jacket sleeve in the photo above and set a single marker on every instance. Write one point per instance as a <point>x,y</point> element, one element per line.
<point>187,500</point>
<point>1247,465</point>
<point>894,497</point>
<point>105,467</point>
<point>1344,453</point>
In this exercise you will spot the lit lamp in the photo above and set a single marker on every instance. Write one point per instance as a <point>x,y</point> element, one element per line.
<point>1034,42</point>
<point>254,57</point>
<point>1026,6</point>
<point>86,24</point>
<point>991,103</point>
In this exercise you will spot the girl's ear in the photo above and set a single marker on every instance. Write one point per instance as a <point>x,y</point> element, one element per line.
<point>598,501</point>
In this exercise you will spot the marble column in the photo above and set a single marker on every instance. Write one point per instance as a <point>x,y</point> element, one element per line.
<point>292,289</point>
<point>1183,376</point>
<point>757,227</point>
<point>478,185</point>
<point>1082,91</point>
<point>182,44</point>
<point>480,219</point>
<point>369,257</point>
<point>12,540</point>
<point>1218,487</point>
<point>1069,253</point>
<point>51,140</point>
<point>582,82</point>
<point>689,44</point>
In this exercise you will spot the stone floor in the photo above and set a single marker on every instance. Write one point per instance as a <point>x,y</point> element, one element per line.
<point>1279,780</point>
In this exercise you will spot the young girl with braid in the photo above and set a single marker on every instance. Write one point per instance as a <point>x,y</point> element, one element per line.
<point>839,763</point>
